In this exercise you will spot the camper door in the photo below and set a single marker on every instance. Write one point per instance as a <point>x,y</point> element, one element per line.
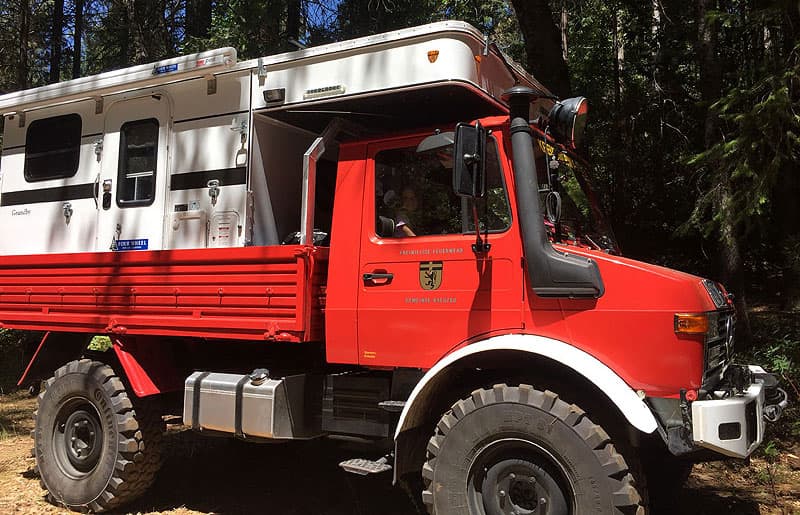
<point>133,181</point>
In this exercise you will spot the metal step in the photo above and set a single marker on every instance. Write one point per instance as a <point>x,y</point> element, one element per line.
<point>362,466</point>
<point>392,406</point>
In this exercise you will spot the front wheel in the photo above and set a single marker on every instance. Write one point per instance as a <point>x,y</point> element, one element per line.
<point>517,450</point>
<point>94,451</point>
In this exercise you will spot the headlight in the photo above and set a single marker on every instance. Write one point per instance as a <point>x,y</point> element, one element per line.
<point>715,293</point>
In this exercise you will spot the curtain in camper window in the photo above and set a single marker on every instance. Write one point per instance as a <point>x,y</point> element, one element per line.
<point>138,150</point>
<point>52,148</point>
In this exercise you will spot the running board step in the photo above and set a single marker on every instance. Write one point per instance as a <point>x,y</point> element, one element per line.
<point>362,466</point>
<point>392,406</point>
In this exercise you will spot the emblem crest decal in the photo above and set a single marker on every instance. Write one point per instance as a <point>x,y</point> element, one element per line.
<point>430,274</point>
<point>433,55</point>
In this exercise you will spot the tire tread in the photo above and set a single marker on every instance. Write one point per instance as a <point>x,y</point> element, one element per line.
<point>626,498</point>
<point>139,427</point>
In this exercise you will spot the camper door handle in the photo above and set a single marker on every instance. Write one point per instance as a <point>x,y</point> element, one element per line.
<point>66,208</point>
<point>378,278</point>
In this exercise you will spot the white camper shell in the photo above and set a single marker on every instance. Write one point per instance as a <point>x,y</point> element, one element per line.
<point>204,151</point>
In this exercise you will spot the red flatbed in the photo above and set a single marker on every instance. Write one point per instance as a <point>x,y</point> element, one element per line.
<point>250,293</point>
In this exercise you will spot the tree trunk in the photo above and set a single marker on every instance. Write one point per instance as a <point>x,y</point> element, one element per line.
<point>788,188</point>
<point>122,11</point>
<point>543,45</point>
<point>620,211</point>
<point>56,38</point>
<point>730,254</point>
<point>77,47</point>
<point>618,45</point>
<point>564,26</point>
<point>293,13</point>
<point>22,44</point>
<point>198,18</point>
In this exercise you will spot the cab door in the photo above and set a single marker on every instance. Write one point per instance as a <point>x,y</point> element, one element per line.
<point>133,179</point>
<point>423,290</point>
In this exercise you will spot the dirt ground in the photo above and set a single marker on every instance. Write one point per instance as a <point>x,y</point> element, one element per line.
<point>210,475</point>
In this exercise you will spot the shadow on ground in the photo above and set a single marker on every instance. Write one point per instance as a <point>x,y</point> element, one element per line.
<point>229,477</point>
<point>703,502</point>
<point>218,475</point>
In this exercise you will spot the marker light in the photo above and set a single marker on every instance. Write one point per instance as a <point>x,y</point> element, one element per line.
<point>706,324</point>
<point>691,323</point>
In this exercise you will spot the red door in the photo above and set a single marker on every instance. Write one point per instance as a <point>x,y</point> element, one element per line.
<point>422,288</point>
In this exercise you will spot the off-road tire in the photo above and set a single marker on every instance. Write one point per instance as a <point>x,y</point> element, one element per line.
<point>575,457</point>
<point>85,396</point>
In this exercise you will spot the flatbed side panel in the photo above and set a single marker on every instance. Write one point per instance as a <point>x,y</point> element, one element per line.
<point>252,293</point>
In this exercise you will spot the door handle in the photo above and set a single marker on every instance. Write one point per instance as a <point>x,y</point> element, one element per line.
<point>378,278</point>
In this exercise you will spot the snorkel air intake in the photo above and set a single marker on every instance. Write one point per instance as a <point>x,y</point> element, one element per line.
<point>551,273</point>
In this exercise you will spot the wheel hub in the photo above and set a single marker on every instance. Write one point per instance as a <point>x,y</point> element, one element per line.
<point>512,478</point>
<point>81,435</point>
<point>78,438</point>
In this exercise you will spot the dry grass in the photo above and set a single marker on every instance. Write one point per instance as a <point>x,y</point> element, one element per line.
<point>208,475</point>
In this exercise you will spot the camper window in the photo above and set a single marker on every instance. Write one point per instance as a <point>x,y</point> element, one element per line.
<point>138,150</point>
<point>52,148</point>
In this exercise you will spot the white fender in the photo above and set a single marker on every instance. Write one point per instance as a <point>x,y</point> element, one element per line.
<point>606,380</point>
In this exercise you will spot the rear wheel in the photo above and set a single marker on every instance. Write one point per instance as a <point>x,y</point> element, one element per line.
<point>517,450</point>
<point>94,450</point>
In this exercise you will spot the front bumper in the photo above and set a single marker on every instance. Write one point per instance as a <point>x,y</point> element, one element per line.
<point>733,420</point>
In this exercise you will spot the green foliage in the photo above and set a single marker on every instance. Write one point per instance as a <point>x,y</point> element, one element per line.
<point>253,28</point>
<point>100,344</point>
<point>761,144</point>
<point>776,347</point>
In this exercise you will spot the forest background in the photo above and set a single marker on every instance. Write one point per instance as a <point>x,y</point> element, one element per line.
<point>694,136</point>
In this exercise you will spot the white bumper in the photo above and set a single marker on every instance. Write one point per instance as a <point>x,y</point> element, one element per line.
<point>734,426</point>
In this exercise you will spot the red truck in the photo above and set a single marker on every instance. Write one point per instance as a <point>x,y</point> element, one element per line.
<point>392,239</point>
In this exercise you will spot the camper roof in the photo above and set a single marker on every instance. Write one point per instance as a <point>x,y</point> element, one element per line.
<point>207,64</point>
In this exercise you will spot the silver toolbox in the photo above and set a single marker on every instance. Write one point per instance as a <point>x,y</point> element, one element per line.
<point>261,408</point>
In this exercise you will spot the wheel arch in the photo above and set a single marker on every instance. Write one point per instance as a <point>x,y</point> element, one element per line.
<point>143,362</point>
<point>542,361</point>
<point>54,350</point>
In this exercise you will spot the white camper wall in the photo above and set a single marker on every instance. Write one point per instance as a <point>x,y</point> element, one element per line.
<point>277,179</point>
<point>32,217</point>
<point>208,145</point>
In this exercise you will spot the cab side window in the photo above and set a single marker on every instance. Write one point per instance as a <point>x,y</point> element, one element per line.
<point>414,189</point>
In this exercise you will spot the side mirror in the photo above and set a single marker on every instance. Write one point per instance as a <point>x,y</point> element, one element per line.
<point>385,227</point>
<point>469,161</point>
<point>567,120</point>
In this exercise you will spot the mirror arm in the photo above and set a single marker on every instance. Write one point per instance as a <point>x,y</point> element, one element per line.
<point>481,245</point>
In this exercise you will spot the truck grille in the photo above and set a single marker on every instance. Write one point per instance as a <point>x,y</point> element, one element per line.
<point>719,346</point>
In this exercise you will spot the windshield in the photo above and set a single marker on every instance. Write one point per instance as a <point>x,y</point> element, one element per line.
<point>577,219</point>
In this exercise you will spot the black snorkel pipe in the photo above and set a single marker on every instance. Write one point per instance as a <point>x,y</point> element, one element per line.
<point>551,273</point>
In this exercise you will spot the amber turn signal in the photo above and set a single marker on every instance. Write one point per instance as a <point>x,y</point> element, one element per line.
<point>691,323</point>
